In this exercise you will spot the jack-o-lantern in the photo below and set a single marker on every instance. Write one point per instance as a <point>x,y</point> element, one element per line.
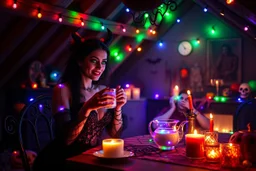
<point>247,141</point>
<point>16,160</point>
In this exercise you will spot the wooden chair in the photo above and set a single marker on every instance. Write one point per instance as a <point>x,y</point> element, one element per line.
<point>245,113</point>
<point>34,128</point>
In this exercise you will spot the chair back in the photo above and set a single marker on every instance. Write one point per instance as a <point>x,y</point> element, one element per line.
<point>35,127</point>
<point>245,113</point>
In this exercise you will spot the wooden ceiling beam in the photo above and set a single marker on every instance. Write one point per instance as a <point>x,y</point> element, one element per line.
<point>60,52</point>
<point>131,58</point>
<point>91,22</point>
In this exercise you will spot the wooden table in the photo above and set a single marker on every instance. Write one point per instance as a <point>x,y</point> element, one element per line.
<point>87,161</point>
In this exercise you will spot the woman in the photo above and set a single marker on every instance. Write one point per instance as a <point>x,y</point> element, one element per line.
<point>178,110</point>
<point>81,105</point>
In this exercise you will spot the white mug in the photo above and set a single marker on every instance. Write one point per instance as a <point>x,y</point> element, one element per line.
<point>112,92</point>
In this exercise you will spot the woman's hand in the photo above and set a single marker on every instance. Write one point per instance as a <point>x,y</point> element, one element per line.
<point>101,99</point>
<point>121,98</point>
<point>172,103</point>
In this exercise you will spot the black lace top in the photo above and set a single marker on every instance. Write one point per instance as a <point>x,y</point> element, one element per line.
<point>93,128</point>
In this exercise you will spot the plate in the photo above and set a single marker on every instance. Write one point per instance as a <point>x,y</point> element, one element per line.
<point>101,155</point>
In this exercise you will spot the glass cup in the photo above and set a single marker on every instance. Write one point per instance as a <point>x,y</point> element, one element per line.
<point>112,91</point>
<point>211,138</point>
<point>230,155</point>
<point>212,153</point>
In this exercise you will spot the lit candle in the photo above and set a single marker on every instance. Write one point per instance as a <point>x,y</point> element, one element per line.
<point>211,123</point>
<point>175,91</point>
<point>128,93</point>
<point>113,148</point>
<point>190,100</point>
<point>212,153</point>
<point>230,155</point>
<point>136,93</point>
<point>211,138</point>
<point>194,145</point>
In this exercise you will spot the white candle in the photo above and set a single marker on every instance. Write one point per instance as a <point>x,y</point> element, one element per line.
<point>128,93</point>
<point>113,148</point>
<point>136,93</point>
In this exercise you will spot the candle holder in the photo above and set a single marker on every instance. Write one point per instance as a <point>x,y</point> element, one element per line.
<point>212,153</point>
<point>211,138</point>
<point>191,122</point>
<point>230,155</point>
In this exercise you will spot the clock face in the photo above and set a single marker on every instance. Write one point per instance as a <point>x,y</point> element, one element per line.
<point>185,48</point>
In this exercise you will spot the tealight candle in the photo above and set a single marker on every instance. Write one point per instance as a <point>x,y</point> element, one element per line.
<point>128,92</point>
<point>136,93</point>
<point>212,153</point>
<point>113,148</point>
<point>194,145</point>
<point>230,155</point>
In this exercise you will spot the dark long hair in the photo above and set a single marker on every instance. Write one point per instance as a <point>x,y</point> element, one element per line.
<point>72,74</point>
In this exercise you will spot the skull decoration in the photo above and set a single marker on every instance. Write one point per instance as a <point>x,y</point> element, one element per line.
<point>244,90</point>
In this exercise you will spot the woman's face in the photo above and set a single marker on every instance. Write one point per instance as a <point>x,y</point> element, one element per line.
<point>94,64</point>
<point>183,101</point>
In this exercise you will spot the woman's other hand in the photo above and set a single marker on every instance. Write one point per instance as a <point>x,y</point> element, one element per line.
<point>121,98</point>
<point>172,103</point>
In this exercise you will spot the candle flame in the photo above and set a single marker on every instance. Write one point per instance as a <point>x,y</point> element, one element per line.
<point>230,144</point>
<point>195,131</point>
<point>211,115</point>
<point>176,87</point>
<point>212,152</point>
<point>188,92</point>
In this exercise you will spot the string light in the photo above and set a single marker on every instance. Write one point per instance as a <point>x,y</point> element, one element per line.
<point>222,12</point>
<point>123,29</point>
<point>82,21</point>
<point>229,1</point>
<point>102,26</point>
<point>137,31</point>
<point>205,9</point>
<point>178,20</point>
<point>39,14</point>
<point>60,18</point>
<point>129,48</point>
<point>14,5</point>
<point>160,43</point>
<point>246,28</point>
<point>198,41</point>
<point>139,49</point>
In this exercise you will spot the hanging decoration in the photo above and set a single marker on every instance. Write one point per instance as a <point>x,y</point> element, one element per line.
<point>152,10</point>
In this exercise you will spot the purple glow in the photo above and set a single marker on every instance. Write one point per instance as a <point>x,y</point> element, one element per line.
<point>156,96</point>
<point>61,85</point>
<point>127,85</point>
<point>40,106</point>
<point>169,142</point>
<point>61,108</point>
<point>31,99</point>
<point>246,28</point>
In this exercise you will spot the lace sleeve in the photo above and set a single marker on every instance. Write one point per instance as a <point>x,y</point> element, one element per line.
<point>67,129</point>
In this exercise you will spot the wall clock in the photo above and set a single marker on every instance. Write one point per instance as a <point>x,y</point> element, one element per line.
<point>185,48</point>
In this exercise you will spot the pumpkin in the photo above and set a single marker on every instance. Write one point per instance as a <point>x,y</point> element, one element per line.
<point>247,141</point>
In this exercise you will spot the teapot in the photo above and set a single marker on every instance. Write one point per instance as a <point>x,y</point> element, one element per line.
<point>166,133</point>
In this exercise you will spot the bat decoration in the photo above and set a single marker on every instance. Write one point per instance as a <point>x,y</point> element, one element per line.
<point>154,61</point>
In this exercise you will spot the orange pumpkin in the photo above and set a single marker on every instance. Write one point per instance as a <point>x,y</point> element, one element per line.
<point>247,141</point>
